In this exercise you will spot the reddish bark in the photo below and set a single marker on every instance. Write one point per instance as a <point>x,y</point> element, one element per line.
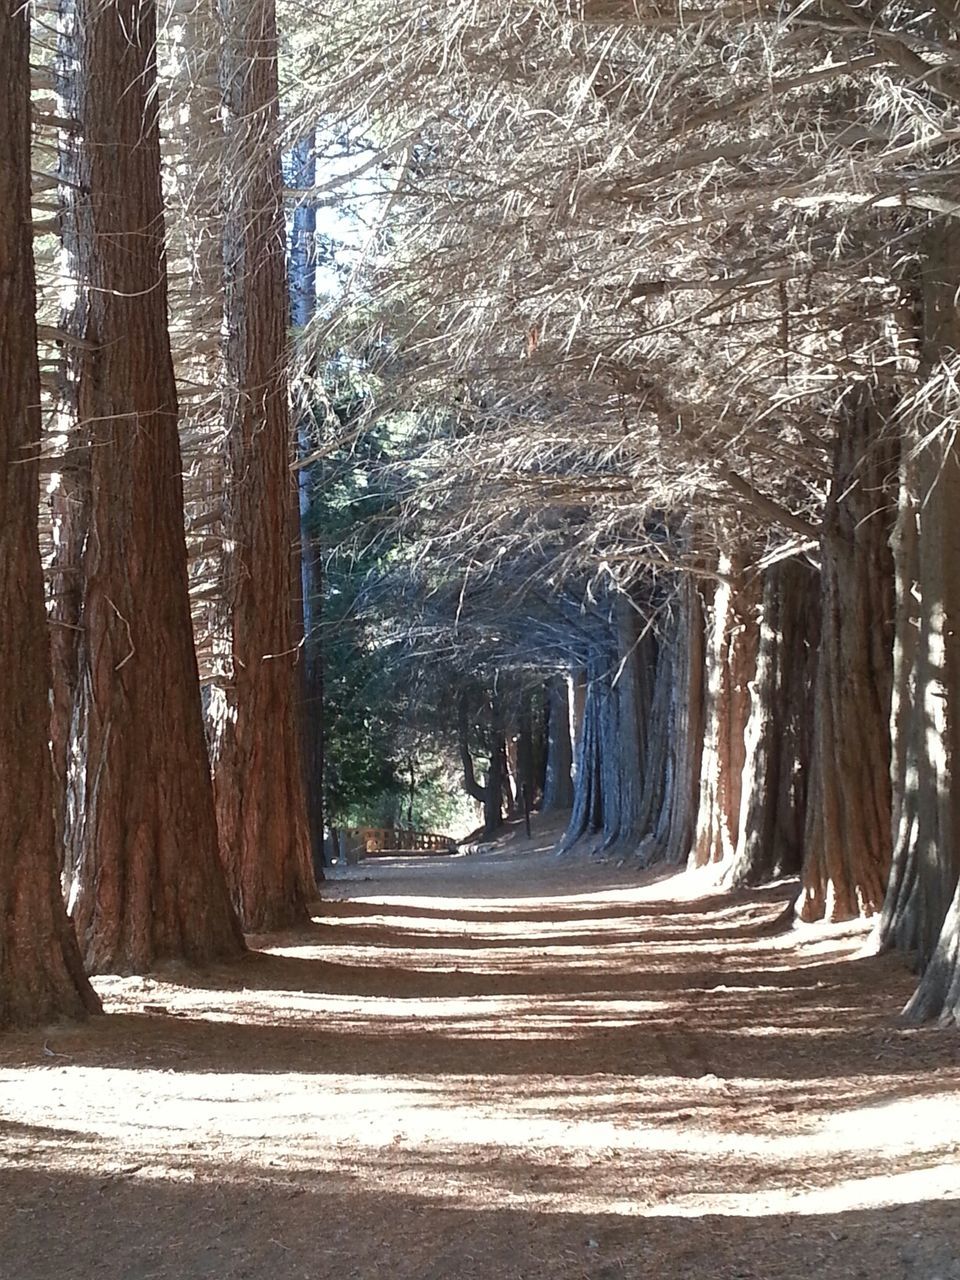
<point>261,809</point>
<point>778,737</point>
<point>41,976</point>
<point>847,840</point>
<point>731,657</point>
<point>149,883</point>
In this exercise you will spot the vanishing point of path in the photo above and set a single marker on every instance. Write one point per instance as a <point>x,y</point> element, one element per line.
<point>505,1067</point>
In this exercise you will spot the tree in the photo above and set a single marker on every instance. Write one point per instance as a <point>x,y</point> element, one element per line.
<point>261,808</point>
<point>847,839</point>
<point>922,910</point>
<point>41,976</point>
<point>149,883</point>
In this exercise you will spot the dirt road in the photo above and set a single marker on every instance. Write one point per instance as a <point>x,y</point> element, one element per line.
<point>497,1068</point>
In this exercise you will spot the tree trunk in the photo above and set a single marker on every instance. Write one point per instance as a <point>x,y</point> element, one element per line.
<point>490,793</point>
<point>149,884</point>
<point>847,839</point>
<point>778,736</point>
<point>578,703</point>
<point>558,784</point>
<point>687,718</point>
<point>303,299</point>
<point>732,646</point>
<point>261,808</point>
<point>586,817</point>
<point>625,739</point>
<point>41,976</point>
<point>922,909</point>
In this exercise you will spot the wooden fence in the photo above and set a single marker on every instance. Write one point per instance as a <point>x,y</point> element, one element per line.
<point>373,842</point>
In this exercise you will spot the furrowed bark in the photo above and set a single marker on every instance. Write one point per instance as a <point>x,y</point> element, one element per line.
<point>41,975</point>
<point>774,784</point>
<point>922,910</point>
<point>847,839</point>
<point>627,707</point>
<point>261,808</point>
<point>731,660</point>
<point>586,817</point>
<point>149,884</point>
<point>687,718</point>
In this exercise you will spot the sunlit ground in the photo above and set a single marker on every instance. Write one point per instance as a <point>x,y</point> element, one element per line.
<point>497,1066</point>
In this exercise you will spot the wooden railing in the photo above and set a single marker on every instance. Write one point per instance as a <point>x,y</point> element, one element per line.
<point>372,842</point>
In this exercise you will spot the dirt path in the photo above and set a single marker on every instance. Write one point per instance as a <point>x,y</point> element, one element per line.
<point>497,1068</point>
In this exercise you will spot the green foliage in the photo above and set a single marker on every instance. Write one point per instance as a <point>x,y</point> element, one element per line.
<point>380,719</point>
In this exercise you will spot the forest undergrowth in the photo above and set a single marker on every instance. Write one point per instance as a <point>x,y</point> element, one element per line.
<point>508,1065</point>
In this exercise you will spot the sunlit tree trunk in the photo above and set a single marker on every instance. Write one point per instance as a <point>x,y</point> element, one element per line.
<point>687,717</point>
<point>847,841</point>
<point>774,784</point>
<point>149,883</point>
<point>922,909</point>
<point>732,642</point>
<point>41,976</point>
<point>261,808</point>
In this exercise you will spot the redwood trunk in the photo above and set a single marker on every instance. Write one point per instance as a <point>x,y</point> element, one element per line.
<point>41,976</point>
<point>687,715</point>
<point>778,737</point>
<point>261,807</point>
<point>732,646</point>
<point>847,840</point>
<point>626,724</point>
<point>149,883</point>
<point>586,817</point>
<point>922,910</point>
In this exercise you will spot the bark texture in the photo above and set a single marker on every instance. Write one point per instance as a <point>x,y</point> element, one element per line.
<point>149,884</point>
<point>591,691</point>
<point>261,808</point>
<point>625,729</point>
<point>779,731</point>
<point>489,793</point>
<point>41,976</point>
<point>731,661</point>
<point>922,909</point>
<point>847,839</point>
<point>687,719</point>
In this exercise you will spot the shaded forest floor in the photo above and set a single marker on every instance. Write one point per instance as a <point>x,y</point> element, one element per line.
<point>505,1067</point>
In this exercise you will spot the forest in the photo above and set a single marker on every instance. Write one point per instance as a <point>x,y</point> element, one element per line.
<point>560,392</point>
<point>530,430</point>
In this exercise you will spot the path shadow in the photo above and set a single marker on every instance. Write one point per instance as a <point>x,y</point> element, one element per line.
<point>257,1224</point>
